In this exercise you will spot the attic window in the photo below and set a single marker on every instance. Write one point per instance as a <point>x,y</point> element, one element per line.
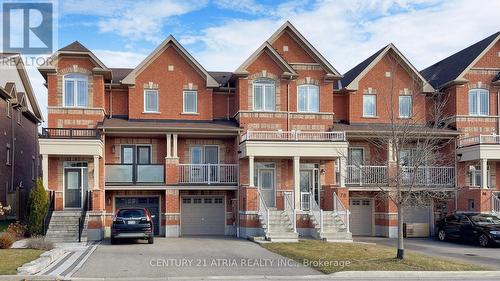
<point>285,48</point>
<point>170,67</point>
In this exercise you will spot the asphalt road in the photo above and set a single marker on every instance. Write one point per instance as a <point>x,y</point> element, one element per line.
<point>469,253</point>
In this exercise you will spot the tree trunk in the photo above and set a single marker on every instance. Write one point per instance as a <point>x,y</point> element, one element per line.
<point>401,249</point>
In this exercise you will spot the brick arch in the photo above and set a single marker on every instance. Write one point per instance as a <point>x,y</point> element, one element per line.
<point>308,81</point>
<point>79,70</point>
<point>264,75</point>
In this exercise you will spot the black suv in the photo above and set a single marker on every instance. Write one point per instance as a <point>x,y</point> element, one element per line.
<point>471,227</point>
<point>132,223</point>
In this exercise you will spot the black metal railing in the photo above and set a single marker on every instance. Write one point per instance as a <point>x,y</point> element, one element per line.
<point>70,133</point>
<point>87,205</point>
<point>48,216</point>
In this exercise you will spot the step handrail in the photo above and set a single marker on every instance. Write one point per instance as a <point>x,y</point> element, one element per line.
<point>316,212</point>
<point>290,209</point>
<point>263,210</point>
<point>341,210</point>
<point>48,216</point>
<point>87,205</point>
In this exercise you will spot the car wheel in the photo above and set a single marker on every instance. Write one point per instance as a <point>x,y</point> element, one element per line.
<point>442,235</point>
<point>151,240</point>
<point>483,240</point>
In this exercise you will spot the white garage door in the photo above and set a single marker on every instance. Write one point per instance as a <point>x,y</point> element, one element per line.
<point>202,215</point>
<point>361,216</point>
<point>418,221</point>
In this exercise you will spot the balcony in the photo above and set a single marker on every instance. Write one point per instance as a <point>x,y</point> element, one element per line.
<point>479,147</point>
<point>208,173</point>
<point>293,136</point>
<point>69,133</point>
<point>428,176</point>
<point>130,174</point>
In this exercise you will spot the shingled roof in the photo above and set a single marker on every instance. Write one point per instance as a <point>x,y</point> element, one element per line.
<point>452,67</point>
<point>120,73</point>
<point>350,75</point>
<point>75,47</point>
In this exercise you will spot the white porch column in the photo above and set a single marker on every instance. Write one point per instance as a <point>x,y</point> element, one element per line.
<point>251,171</point>
<point>96,172</point>
<point>169,145</point>
<point>390,151</point>
<point>175,146</point>
<point>45,171</point>
<point>484,173</point>
<point>343,171</point>
<point>296,181</point>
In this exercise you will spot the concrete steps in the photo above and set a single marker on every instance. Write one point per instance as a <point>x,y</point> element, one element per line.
<point>334,229</point>
<point>63,227</point>
<point>279,227</point>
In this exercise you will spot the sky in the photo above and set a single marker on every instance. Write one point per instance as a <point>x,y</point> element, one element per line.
<point>221,34</point>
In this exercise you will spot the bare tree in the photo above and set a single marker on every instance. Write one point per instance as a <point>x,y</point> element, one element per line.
<point>418,146</point>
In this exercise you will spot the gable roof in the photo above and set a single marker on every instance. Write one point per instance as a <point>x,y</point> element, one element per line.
<point>308,47</point>
<point>74,47</point>
<point>353,76</point>
<point>120,73</point>
<point>267,48</point>
<point>170,41</point>
<point>452,68</point>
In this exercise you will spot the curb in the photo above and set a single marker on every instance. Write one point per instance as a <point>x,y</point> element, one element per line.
<point>42,262</point>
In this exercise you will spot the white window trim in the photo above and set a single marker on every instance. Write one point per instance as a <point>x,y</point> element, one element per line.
<point>195,102</point>
<point>308,103</point>
<point>8,108</point>
<point>202,148</point>
<point>75,91</point>
<point>410,115</point>
<point>157,101</point>
<point>264,93</point>
<point>364,113</point>
<point>478,105</point>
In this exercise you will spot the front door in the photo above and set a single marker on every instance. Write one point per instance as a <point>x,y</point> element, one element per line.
<point>355,159</point>
<point>306,189</point>
<point>73,187</point>
<point>212,157</point>
<point>266,184</point>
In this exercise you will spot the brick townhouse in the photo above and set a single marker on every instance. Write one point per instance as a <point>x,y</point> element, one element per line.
<point>19,120</point>
<point>264,151</point>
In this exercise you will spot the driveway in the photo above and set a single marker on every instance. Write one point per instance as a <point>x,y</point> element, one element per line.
<point>468,253</point>
<point>188,257</point>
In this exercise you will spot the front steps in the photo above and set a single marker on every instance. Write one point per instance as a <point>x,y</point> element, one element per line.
<point>334,229</point>
<point>279,228</point>
<point>63,227</point>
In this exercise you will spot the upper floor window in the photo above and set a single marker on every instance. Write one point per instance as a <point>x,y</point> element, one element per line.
<point>479,100</point>
<point>76,90</point>
<point>308,98</point>
<point>369,105</point>
<point>263,95</point>
<point>8,108</point>
<point>405,106</point>
<point>19,114</point>
<point>190,101</point>
<point>150,101</point>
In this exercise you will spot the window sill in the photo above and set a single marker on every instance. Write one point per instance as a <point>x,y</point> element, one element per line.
<point>190,113</point>
<point>402,117</point>
<point>370,117</point>
<point>151,112</point>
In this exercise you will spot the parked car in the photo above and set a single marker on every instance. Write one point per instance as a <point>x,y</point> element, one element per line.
<point>483,229</point>
<point>132,223</point>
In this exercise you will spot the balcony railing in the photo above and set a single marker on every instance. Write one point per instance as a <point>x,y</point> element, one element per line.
<point>135,173</point>
<point>208,173</point>
<point>410,176</point>
<point>481,139</point>
<point>293,136</point>
<point>69,133</point>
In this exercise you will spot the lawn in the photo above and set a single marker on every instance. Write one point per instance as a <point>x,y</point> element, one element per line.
<point>361,257</point>
<point>11,259</point>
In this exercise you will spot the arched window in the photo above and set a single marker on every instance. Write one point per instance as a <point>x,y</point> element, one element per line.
<point>479,102</point>
<point>263,95</point>
<point>308,98</point>
<point>76,90</point>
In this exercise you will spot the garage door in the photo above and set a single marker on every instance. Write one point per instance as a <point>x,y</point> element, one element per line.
<point>202,215</point>
<point>417,219</point>
<point>361,217</point>
<point>150,203</point>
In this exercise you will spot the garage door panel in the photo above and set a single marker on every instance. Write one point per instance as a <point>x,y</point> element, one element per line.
<point>361,216</point>
<point>152,204</point>
<point>202,216</point>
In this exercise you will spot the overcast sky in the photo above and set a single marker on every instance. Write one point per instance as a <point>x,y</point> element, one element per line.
<point>220,34</point>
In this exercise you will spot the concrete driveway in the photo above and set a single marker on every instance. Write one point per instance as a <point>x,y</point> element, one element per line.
<point>188,257</point>
<point>468,253</point>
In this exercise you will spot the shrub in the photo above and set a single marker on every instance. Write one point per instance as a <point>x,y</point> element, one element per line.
<point>18,230</point>
<point>4,209</point>
<point>39,243</point>
<point>6,240</point>
<point>38,205</point>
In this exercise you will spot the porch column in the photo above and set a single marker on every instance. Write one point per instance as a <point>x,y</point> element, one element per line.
<point>45,171</point>
<point>390,151</point>
<point>484,173</point>
<point>251,171</point>
<point>296,180</point>
<point>169,146</point>
<point>96,172</point>
<point>175,146</point>
<point>343,171</point>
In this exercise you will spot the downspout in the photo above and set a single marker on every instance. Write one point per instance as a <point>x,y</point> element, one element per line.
<point>228,94</point>
<point>498,112</point>
<point>13,157</point>
<point>456,178</point>
<point>111,99</point>
<point>288,103</point>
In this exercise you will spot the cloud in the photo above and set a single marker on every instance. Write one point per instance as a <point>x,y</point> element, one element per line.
<point>244,6</point>
<point>119,59</point>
